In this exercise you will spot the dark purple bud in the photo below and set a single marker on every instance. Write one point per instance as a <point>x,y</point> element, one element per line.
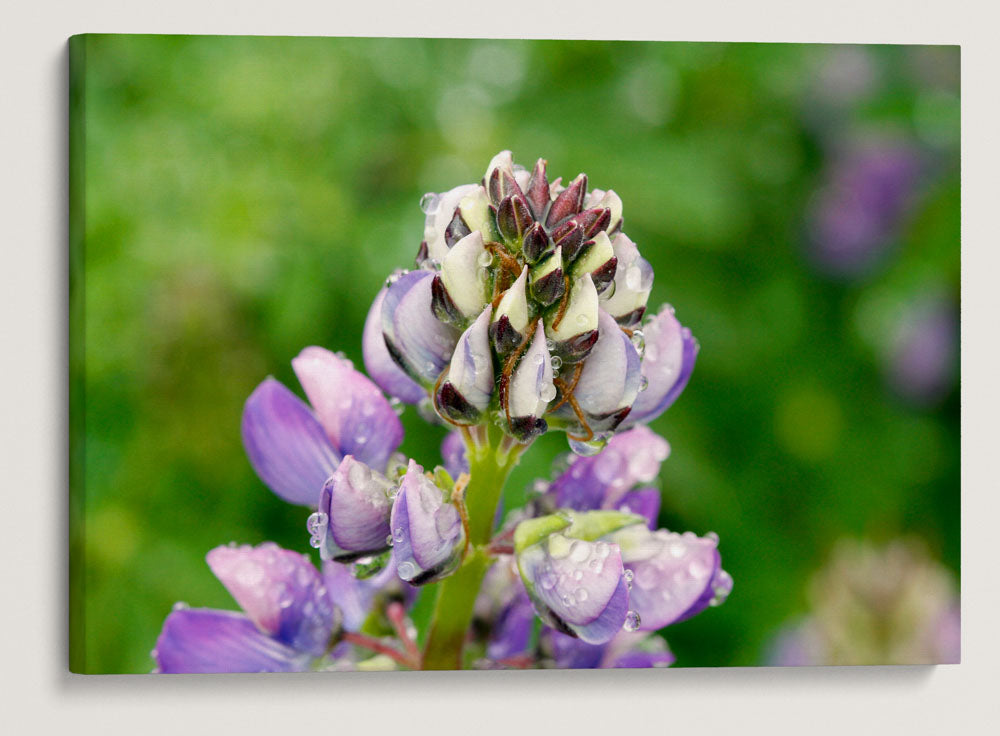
<point>503,335</point>
<point>453,406</point>
<point>422,254</point>
<point>536,242</point>
<point>526,428</point>
<point>538,190</point>
<point>569,237</point>
<point>502,185</point>
<point>513,218</point>
<point>456,230</point>
<point>547,282</point>
<point>442,304</point>
<point>569,202</point>
<point>593,221</point>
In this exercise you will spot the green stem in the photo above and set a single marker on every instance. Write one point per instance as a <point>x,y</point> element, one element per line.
<point>449,626</point>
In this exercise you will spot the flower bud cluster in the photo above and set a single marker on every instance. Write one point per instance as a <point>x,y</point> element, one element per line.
<point>526,309</point>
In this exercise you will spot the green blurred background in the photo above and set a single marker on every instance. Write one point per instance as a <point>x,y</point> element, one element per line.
<point>237,199</point>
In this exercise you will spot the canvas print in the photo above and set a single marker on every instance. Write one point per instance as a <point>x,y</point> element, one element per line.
<point>417,354</point>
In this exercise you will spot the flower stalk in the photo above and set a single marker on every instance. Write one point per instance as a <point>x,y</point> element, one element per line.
<point>490,463</point>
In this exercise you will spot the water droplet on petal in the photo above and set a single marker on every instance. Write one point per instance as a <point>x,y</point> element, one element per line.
<point>556,362</point>
<point>406,570</point>
<point>632,621</point>
<point>429,203</point>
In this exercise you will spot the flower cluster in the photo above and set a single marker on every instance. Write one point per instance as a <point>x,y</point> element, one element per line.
<point>525,313</point>
<point>526,310</point>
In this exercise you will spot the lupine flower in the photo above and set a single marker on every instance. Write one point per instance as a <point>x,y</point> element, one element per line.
<point>525,313</point>
<point>353,516</point>
<point>427,532</point>
<point>294,449</point>
<point>577,585</point>
<point>876,605</point>
<point>287,623</point>
<point>550,272</point>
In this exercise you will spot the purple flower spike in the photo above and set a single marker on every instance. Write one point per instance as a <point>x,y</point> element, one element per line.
<point>609,381</point>
<point>427,532</point>
<point>453,453</point>
<point>286,445</point>
<point>675,576</point>
<point>667,363</point>
<point>380,366</point>
<point>198,640</point>
<point>420,344</point>
<point>356,416</point>
<point>353,516</point>
<point>601,481</point>
<point>577,587</point>
<point>281,592</point>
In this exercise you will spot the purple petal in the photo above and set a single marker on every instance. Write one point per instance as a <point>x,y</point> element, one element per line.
<point>601,480</point>
<point>453,454</point>
<point>428,537</point>
<point>287,447</point>
<point>666,364</point>
<point>577,586</point>
<point>380,366</point>
<point>280,590</point>
<point>642,501</point>
<point>675,575</point>
<point>610,377</point>
<point>356,416</point>
<point>356,502</point>
<point>510,634</point>
<point>610,622</point>
<point>354,597</point>
<point>420,343</point>
<point>568,652</point>
<point>638,651</point>
<point>206,640</point>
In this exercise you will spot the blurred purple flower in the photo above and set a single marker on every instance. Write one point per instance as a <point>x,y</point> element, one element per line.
<point>860,208</point>
<point>922,354</point>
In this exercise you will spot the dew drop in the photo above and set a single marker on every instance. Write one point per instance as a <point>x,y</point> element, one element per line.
<point>316,521</point>
<point>712,537</point>
<point>548,392</point>
<point>398,534</point>
<point>389,541</point>
<point>429,203</point>
<point>629,576</point>
<point>581,320</point>
<point>485,259</point>
<point>180,606</point>
<point>581,595</point>
<point>406,570</point>
<point>643,383</point>
<point>556,362</point>
<point>632,621</point>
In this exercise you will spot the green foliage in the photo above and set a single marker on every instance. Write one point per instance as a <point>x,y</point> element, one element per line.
<point>245,198</point>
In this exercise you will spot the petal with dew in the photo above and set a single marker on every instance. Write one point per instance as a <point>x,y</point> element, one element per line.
<point>285,443</point>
